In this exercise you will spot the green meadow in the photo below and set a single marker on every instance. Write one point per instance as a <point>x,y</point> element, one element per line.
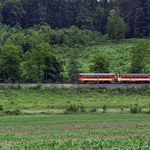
<point>56,100</point>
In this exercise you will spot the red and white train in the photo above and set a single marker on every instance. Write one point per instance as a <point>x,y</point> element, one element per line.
<point>110,77</point>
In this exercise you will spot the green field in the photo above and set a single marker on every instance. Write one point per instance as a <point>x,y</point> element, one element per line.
<point>56,100</point>
<point>106,131</point>
<point>44,124</point>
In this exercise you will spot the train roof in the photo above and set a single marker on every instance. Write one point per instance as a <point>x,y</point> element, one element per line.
<point>133,74</point>
<point>96,74</point>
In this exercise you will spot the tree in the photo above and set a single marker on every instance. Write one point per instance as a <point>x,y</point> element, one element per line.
<point>12,12</point>
<point>140,56</point>
<point>100,63</point>
<point>73,67</point>
<point>140,23</point>
<point>53,69</point>
<point>116,27</point>
<point>10,61</point>
<point>39,54</point>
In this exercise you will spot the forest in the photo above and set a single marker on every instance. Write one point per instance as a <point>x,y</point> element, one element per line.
<point>36,34</point>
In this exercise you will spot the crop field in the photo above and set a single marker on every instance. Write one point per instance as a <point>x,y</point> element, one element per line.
<point>43,123</point>
<point>86,131</point>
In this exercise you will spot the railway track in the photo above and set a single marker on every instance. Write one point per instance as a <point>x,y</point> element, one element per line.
<point>112,85</point>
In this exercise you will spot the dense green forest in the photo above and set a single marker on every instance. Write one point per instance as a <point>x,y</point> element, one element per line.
<point>85,14</point>
<point>44,40</point>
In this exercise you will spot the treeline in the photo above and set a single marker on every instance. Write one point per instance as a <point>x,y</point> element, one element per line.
<point>85,14</point>
<point>29,55</point>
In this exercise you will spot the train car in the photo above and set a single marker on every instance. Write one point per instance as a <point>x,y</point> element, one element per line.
<point>139,78</point>
<point>96,77</point>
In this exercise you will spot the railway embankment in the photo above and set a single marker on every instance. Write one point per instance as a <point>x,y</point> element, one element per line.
<point>69,85</point>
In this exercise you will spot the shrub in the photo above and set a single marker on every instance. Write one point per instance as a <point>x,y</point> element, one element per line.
<point>135,109</point>
<point>39,85</point>
<point>93,110</point>
<point>12,102</point>
<point>13,112</point>
<point>1,108</point>
<point>16,112</point>
<point>104,108</point>
<point>8,112</point>
<point>73,108</point>
<point>121,109</point>
<point>82,108</point>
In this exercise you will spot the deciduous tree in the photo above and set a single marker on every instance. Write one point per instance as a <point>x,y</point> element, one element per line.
<point>140,56</point>
<point>99,63</point>
<point>10,61</point>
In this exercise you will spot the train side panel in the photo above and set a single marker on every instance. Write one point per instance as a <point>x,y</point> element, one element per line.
<point>96,77</point>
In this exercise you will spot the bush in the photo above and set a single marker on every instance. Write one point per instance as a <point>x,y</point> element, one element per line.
<point>1,108</point>
<point>13,112</point>
<point>135,109</point>
<point>82,108</point>
<point>104,108</point>
<point>93,110</point>
<point>73,108</point>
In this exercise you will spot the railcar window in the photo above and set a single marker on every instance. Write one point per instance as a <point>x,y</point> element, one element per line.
<point>107,76</point>
<point>129,76</point>
<point>141,76</point>
<point>99,76</point>
<point>95,76</point>
<point>133,76</point>
<point>90,76</point>
<point>146,76</point>
<point>137,76</point>
<point>125,76</point>
<point>86,76</point>
<point>103,76</point>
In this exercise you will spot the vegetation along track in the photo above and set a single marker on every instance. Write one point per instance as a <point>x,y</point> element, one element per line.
<point>113,85</point>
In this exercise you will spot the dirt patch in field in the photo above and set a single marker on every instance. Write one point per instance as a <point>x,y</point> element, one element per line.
<point>76,126</point>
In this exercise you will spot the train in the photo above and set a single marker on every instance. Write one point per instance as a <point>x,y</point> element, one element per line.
<point>110,78</point>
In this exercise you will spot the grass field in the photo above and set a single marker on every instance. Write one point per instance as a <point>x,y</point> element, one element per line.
<point>30,99</point>
<point>106,131</point>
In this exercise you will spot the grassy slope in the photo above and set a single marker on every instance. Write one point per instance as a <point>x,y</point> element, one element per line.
<point>118,54</point>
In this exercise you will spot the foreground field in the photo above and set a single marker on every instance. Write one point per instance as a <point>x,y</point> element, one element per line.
<point>107,131</point>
